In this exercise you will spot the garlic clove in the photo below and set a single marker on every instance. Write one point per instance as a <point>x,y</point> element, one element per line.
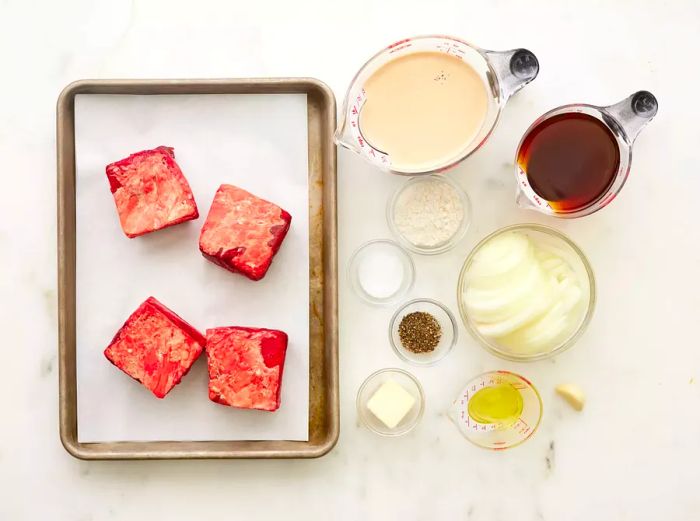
<point>572,394</point>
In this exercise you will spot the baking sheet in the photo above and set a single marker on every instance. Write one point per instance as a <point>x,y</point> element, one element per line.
<point>258,142</point>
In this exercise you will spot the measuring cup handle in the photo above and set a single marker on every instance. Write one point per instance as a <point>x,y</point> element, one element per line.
<point>633,113</point>
<point>514,69</point>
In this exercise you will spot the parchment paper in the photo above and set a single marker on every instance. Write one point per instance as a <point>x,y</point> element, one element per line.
<point>257,142</point>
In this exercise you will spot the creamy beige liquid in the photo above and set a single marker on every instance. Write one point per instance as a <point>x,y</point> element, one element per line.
<point>423,109</point>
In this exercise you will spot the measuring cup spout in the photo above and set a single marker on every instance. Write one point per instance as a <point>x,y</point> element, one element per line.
<point>514,69</point>
<point>633,113</point>
<point>523,201</point>
<point>343,136</point>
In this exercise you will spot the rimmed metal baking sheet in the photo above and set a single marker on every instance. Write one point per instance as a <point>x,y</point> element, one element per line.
<point>323,299</point>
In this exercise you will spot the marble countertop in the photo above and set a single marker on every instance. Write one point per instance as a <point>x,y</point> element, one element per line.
<point>631,454</point>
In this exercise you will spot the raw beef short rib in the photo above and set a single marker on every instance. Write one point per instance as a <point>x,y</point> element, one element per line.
<point>155,347</point>
<point>242,232</point>
<point>245,366</point>
<point>150,192</point>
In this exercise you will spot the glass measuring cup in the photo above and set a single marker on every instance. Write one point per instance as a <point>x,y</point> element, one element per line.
<point>624,120</point>
<point>498,436</point>
<point>502,73</point>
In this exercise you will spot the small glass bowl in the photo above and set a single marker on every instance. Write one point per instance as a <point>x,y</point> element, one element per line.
<point>372,384</point>
<point>538,233</point>
<point>449,243</point>
<point>386,248</point>
<point>448,327</point>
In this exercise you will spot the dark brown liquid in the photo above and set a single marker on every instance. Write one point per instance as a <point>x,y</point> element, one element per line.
<point>570,160</point>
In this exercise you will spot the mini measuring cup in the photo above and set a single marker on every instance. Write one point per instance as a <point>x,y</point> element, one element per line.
<point>503,73</point>
<point>495,436</point>
<point>625,120</point>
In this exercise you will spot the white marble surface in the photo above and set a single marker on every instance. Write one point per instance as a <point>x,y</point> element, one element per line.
<point>632,454</point>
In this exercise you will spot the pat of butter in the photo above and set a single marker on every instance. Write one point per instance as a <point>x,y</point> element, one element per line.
<point>391,403</point>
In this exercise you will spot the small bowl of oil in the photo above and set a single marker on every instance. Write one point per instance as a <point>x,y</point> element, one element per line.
<point>497,410</point>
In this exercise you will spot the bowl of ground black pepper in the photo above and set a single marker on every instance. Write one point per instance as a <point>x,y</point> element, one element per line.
<point>423,331</point>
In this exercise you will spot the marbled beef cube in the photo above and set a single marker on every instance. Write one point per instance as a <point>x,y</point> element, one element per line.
<point>245,366</point>
<point>243,232</point>
<point>150,192</point>
<point>155,347</point>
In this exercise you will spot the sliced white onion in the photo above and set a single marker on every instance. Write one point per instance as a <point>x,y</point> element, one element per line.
<point>526,297</point>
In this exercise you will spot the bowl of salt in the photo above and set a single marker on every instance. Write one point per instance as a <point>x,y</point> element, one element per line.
<point>381,271</point>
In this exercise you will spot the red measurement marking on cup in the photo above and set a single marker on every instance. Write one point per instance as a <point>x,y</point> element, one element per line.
<point>400,45</point>
<point>366,149</point>
<point>396,44</point>
<point>525,427</point>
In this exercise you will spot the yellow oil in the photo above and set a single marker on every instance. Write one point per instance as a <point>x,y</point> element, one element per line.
<point>501,404</point>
